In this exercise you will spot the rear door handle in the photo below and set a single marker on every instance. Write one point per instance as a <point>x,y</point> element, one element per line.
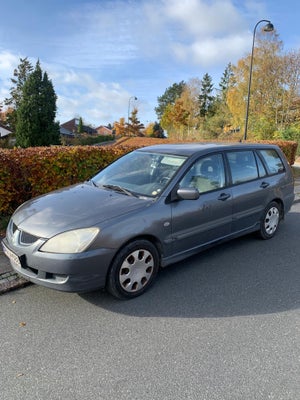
<point>224,196</point>
<point>264,185</point>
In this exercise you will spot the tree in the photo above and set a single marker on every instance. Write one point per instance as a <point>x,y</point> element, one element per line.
<point>36,112</point>
<point>16,91</point>
<point>206,97</point>
<point>221,117</point>
<point>274,88</point>
<point>157,130</point>
<point>170,96</point>
<point>120,127</point>
<point>176,120</point>
<point>80,126</point>
<point>134,126</point>
<point>226,81</point>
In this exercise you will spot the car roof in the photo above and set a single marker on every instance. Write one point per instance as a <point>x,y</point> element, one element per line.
<point>188,149</point>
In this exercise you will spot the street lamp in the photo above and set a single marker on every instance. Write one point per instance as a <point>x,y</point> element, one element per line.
<point>268,28</point>
<point>130,98</point>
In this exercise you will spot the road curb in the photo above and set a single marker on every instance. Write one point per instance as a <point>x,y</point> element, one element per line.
<point>10,281</point>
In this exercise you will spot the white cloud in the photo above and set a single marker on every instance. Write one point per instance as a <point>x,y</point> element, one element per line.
<point>105,52</point>
<point>199,17</point>
<point>81,94</point>
<point>8,62</point>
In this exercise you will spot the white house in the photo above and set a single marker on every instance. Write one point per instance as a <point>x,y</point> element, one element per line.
<point>4,131</point>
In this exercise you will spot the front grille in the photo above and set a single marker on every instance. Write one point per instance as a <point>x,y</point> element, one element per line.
<point>22,237</point>
<point>27,238</point>
<point>13,228</point>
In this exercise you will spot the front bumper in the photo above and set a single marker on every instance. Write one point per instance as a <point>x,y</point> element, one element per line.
<point>66,272</point>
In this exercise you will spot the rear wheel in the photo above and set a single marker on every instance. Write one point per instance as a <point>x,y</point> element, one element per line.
<point>133,270</point>
<point>270,220</point>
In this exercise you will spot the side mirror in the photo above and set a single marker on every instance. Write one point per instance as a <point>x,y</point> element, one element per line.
<point>188,193</point>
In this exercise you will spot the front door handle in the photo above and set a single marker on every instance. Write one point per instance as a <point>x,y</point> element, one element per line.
<point>224,196</point>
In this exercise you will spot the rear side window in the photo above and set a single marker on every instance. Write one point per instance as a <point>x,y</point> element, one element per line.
<point>243,166</point>
<point>272,160</point>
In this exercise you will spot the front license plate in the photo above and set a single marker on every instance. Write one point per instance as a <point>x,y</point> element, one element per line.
<point>12,256</point>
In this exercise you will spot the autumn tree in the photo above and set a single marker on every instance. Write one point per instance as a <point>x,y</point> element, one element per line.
<point>120,127</point>
<point>36,112</point>
<point>175,120</point>
<point>170,96</point>
<point>134,126</point>
<point>274,87</point>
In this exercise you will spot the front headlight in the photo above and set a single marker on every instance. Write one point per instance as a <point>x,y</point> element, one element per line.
<point>75,241</point>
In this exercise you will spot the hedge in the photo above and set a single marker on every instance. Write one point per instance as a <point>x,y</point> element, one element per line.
<point>26,173</point>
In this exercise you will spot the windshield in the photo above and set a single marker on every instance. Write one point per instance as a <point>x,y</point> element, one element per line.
<point>140,173</point>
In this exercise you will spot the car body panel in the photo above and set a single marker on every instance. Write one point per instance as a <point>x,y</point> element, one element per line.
<point>73,207</point>
<point>201,221</point>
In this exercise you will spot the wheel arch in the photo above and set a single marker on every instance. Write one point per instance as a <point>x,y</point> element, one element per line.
<point>150,238</point>
<point>281,204</point>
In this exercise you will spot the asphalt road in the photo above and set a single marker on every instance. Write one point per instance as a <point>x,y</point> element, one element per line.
<point>222,325</point>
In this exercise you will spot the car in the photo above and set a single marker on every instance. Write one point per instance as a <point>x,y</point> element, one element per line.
<point>152,207</point>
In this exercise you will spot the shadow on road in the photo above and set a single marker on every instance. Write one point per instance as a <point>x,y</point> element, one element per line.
<point>246,276</point>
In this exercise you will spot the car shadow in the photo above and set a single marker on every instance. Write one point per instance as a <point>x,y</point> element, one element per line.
<point>245,276</point>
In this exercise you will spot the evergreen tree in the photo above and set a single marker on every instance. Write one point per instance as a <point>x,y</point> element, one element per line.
<point>16,91</point>
<point>170,96</point>
<point>36,124</point>
<point>157,130</point>
<point>80,126</point>
<point>225,81</point>
<point>206,98</point>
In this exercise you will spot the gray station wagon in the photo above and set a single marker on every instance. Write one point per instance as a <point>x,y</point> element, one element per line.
<point>150,208</point>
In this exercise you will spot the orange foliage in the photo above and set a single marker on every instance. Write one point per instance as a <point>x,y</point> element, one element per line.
<point>25,173</point>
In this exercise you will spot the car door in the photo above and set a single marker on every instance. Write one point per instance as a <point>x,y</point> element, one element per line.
<point>250,187</point>
<point>198,222</point>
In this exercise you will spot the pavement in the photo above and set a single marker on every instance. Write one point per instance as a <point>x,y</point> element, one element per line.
<point>10,280</point>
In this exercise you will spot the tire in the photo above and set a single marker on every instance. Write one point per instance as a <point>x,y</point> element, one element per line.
<point>270,221</point>
<point>133,270</point>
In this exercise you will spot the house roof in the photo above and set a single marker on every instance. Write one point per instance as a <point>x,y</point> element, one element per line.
<point>65,132</point>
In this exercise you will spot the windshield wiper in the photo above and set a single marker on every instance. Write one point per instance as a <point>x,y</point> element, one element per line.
<point>120,189</point>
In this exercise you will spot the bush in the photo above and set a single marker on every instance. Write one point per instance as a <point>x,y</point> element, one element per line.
<point>26,173</point>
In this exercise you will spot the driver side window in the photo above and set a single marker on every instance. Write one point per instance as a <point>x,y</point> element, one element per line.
<point>206,174</point>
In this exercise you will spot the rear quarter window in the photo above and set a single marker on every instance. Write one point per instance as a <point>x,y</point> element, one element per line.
<point>272,160</point>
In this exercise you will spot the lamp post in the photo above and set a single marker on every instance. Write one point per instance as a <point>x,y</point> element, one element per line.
<point>268,28</point>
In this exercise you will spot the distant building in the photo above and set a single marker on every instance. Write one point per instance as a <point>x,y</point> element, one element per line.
<point>104,131</point>
<point>72,126</point>
<point>66,133</point>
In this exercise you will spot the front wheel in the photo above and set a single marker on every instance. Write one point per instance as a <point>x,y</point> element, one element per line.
<point>270,220</point>
<point>133,270</point>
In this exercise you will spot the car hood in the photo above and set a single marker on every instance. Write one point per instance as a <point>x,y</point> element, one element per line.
<point>73,207</point>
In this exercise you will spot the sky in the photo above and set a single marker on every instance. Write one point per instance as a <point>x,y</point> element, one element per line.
<point>102,54</point>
